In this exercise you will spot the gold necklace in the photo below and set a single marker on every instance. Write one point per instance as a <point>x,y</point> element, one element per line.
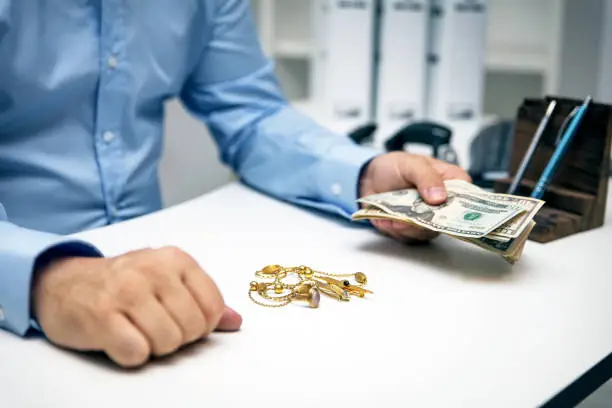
<point>308,284</point>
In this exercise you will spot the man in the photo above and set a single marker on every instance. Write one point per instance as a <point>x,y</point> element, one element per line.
<point>82,88</point>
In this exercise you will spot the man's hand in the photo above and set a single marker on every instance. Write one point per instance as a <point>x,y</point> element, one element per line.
<point>143,303</point>
<point>399,170</point>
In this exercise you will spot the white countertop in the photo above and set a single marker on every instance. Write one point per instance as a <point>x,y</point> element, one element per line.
<point>449,325</point>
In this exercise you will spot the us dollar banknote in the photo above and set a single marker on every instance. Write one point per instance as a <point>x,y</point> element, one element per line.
<point>510,250</point>
<point>514,227</point>
<point>499,223</point>
<point>463,214</point>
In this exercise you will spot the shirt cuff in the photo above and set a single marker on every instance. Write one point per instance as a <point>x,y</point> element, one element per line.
<point>337,178</point>
<point>20,251</point>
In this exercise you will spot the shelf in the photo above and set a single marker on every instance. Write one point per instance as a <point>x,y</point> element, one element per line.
<point>517,60</point>
<point>293,49</point>
<point>305,106</point>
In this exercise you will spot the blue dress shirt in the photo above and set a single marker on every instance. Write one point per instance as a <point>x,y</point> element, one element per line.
<point>82,92</point>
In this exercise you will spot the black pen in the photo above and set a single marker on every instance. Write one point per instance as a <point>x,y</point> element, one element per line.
<point>532,147</point>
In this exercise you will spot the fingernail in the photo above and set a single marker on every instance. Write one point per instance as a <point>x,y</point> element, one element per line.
<point>232,311</point>
<point>436,193</point>
<point>231,320</point>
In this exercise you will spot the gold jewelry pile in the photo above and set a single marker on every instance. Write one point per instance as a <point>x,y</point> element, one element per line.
<point>282,285</point>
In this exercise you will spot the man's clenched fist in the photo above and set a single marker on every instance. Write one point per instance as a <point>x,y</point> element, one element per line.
<point>144,303</point>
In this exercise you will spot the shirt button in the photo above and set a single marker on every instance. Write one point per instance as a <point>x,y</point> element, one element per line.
<point>336,189</point>
<point>2,315</point>
<point>108,136</point>
<point>112,61</point>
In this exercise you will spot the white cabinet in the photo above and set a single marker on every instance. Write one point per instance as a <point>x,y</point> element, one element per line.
<point>522,37</point>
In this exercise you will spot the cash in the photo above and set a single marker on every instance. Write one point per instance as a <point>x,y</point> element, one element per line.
<point>499,223</point>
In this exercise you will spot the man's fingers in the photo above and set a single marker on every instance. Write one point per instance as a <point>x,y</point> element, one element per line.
<point>424,176</point>
<point>404,232</point>
<point>230,320</point>
<point>412,234</point>
<point>163,334</point>
<point>206,295</point>
<point>184,310</point>
<point>124,343</point>
<point>450,171</point>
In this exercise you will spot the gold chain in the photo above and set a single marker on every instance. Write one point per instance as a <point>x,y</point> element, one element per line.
<point>310,284</point>
<point>265,304</point>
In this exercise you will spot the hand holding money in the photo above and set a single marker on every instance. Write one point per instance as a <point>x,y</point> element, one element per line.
<point>399,170</point>
<point>499,223</point>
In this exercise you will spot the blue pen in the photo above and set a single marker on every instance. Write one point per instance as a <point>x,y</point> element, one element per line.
<point>560,151</point>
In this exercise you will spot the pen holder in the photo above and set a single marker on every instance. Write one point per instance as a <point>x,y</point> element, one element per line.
<point>576,196</point>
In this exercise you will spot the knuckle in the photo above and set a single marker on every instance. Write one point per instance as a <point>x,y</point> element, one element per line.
<point>422,160</point>
<point>170,343</point>
<point>102,306</point>
<point>215,311</point>
<point>124,262</point>
<point>196,328</point>
<point>159,277</point>
<point>174,257</point>
<point>132,354</point>
<point>174,253</point>
<point>125,349</point>
<point>130,289</point>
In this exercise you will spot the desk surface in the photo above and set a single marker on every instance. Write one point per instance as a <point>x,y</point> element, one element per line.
<point>449,325</point>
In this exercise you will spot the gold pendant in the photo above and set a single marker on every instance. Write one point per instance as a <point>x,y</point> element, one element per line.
<point>310,284</point>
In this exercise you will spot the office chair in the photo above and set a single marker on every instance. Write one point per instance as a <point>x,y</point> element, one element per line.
<point>490,153</point>
<point>431,134</point>
<point>363,133</point>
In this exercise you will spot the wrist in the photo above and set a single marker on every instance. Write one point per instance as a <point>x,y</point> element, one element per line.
<point>56,258</point>
<point>364,183</point>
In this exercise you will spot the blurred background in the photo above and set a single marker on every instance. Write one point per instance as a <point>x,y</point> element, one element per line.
<point>518,49</point>
<point>530,48</point>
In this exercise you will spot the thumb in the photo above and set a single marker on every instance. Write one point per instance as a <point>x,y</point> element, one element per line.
<point>426,178</point>
<point>230,320</point>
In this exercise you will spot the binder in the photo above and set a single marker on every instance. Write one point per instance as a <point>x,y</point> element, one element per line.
<point>343,61</point>
<point>401,65</point>
<point>456,63</point>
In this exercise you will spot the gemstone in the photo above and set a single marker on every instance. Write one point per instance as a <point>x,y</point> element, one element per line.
<point>361,278</point>
<point>271,269</point>
<point>306,271</point>
<point>346,283</point>
<point>314,297</point>
<point>278,289</point>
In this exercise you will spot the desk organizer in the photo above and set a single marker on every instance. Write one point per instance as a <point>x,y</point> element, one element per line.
<point>576,197</point>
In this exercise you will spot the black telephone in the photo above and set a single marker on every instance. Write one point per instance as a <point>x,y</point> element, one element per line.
<point>425,133</point>
<point>363,133</point>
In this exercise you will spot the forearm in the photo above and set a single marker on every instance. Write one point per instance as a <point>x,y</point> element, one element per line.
<point>290,156</point>
<point>20,249</point>
<point>234,90</point>
<point>275,148</point>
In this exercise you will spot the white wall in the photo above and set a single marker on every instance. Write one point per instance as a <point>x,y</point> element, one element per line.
<point>581,48</point>
<point>190,164</point>
<point>605,63</point>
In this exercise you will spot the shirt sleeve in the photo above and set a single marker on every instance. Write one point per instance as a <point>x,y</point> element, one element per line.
<point>269,144</point>
<point>20,250</point>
